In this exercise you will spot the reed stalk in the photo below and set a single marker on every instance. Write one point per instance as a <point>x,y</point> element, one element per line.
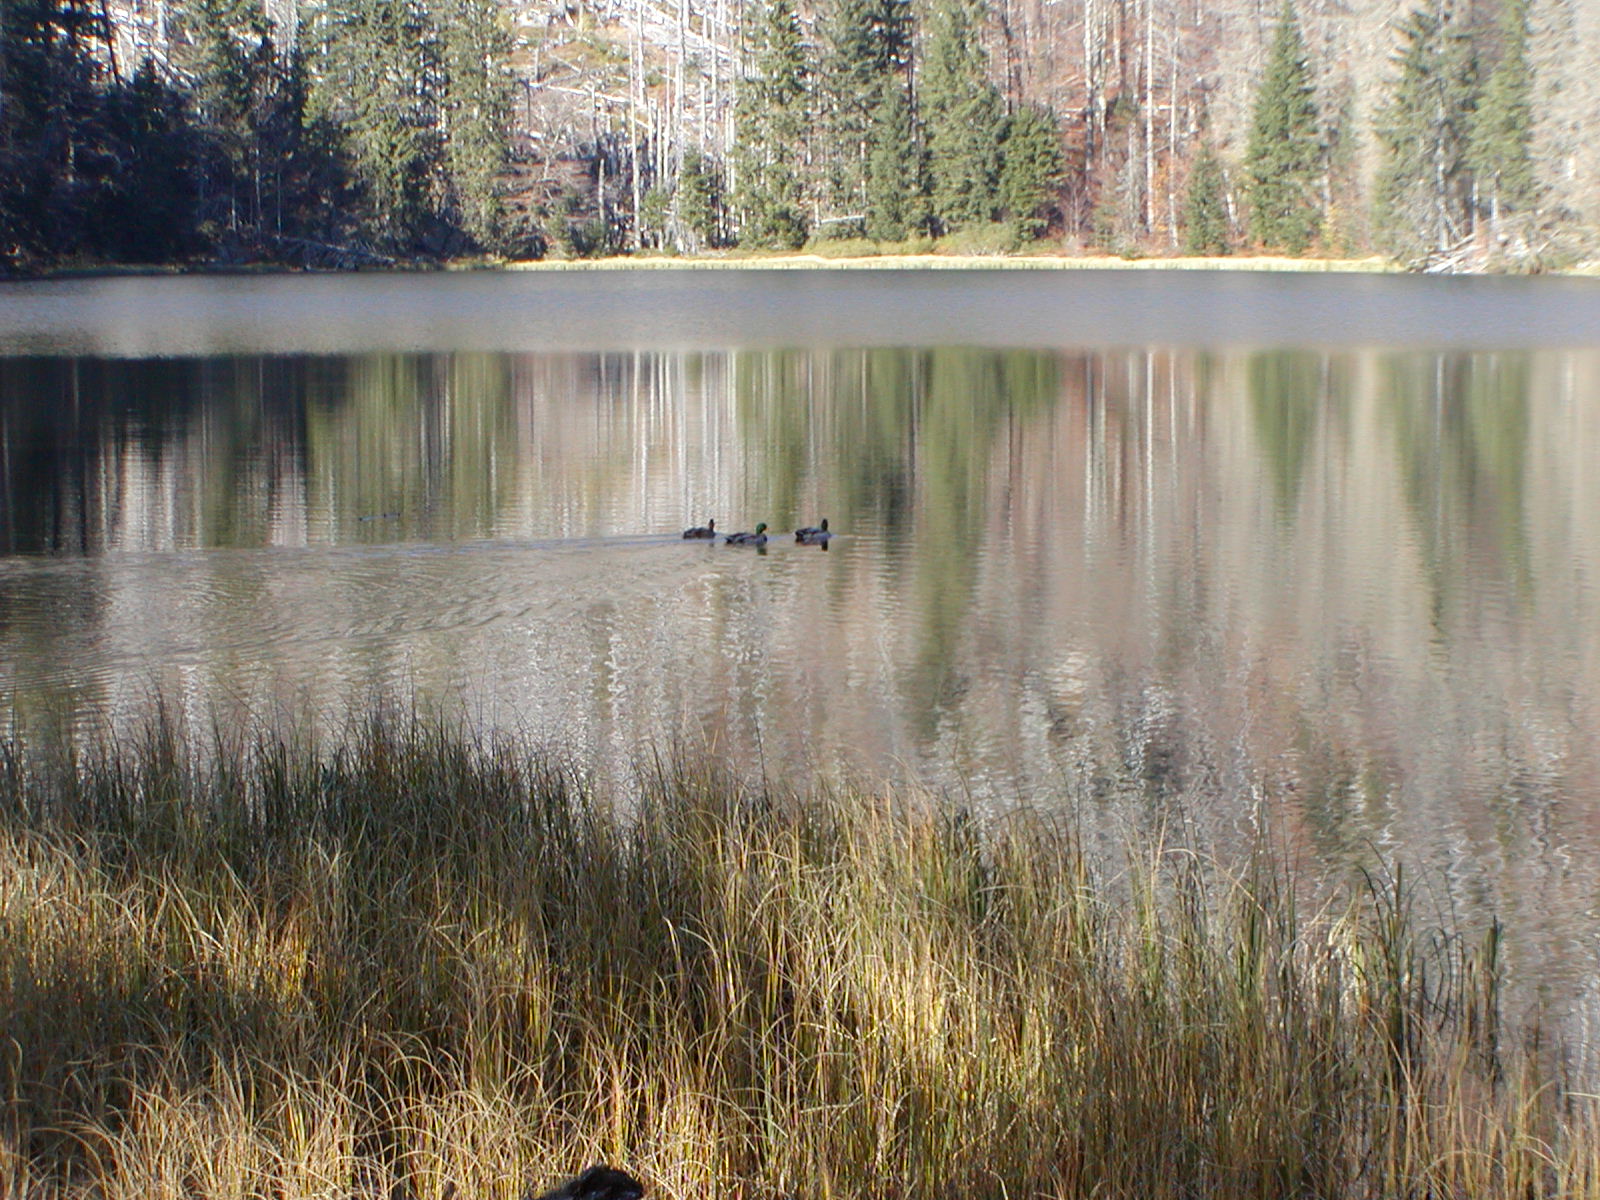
<point>414,959</point>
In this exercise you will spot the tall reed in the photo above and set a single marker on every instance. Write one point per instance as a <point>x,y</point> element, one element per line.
<point>414,958</point>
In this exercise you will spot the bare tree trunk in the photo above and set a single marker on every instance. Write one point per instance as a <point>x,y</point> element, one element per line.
<point>1013,68</point>
<point>719,42</point>
<point>1172,134</point>
<point>635,96</point>
<point>659,117</point>
<point>681,96</point>
<point>108,31</point>
<point>1119,44</point>
<point>1149,118</point>
<point>1094,52</point>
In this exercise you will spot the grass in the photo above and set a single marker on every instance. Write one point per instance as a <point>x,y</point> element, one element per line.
<point>414,958</point>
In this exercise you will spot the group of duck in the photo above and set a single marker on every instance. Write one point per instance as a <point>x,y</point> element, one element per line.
<point>811,535</point>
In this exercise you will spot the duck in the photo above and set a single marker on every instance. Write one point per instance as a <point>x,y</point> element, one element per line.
<point>708,530</point>
<point>813,535</point>
<point>758,538</point>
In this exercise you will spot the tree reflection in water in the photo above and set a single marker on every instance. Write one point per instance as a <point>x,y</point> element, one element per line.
<point>1355,584</point>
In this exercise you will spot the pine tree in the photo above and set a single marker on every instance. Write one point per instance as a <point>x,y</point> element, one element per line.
<point>379,77</point>
<point>771,120</point>
<point>961,110</point>
<point>150,211</point>
<point>1031,168</point>
<point>227,51</point>
<point>1424,188</point>
<point>1283,161</point>
<point>221,50</point>
<point>264,174</point>
<point>868,42</point>
<point>51,132</point>
<point>697,204</point>
<point>1205,210</point>
<point>896,203</point>
<point>477,111</point>
<point>306,185</point>
<point>1500,146</point>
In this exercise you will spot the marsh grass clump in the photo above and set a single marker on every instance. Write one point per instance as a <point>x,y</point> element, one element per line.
<point>413,959</point>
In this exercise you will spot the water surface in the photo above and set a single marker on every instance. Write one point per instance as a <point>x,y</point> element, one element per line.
<point>1201,552</point>
<point>668,309</point>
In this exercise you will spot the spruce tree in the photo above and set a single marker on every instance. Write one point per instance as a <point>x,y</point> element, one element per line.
<point>1283,161</point>
<point>222,46</point>
<point>50,123</point>
<point>476,46</point>
<point>150,212</point>
<point>867,42</point>
<point>1205,210</point>
<point>896,203</point>
<point>771,120</point>
<point>697,204</point>
<point>1031,167</point>
<point>227,52</point>
<point>379,77</point>
<point>961,111</point>
<point>1424,188</point>
<point>1500,146</point>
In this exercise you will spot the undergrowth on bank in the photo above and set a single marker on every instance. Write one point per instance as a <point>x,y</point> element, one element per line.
<point>415,959</point>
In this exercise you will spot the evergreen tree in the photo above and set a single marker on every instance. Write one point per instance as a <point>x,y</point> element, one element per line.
<point>1031,168</point>
<point>223,44</point>
<point>264,171</point>
<point>378,77</point>
<point>150,212</point>
<point>139,170</point>
<point>697,204</point>
<point>1500,146</point>
<point>868,42</point>
<point>53,147</point>
<point>771,120</point>
<point>961,109</point>
<point>1205,210</point>
<point>227,52</point>
<point>1424,188</point>
<point>896,203</point>
<point>476,47</point>
<point>1283,161</point>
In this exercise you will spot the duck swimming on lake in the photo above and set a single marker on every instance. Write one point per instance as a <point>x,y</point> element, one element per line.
<point>758,538</point>
<point>813,535</point>
<point>708,530</point>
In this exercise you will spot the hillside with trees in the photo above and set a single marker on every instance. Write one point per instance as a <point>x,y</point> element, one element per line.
<point>1448,134</point>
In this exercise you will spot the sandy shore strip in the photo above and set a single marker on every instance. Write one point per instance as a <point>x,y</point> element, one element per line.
<point>1374,265</point>
<point>799,261</point>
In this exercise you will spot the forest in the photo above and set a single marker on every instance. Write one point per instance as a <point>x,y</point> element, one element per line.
<point>1453,135</point>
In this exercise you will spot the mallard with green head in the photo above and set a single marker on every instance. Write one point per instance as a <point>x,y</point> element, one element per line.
<point>813,535</point>
<point>708,530</point>
<point>758,538</point>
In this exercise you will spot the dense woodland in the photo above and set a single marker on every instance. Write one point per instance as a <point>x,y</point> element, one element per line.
<point>1455,134</point>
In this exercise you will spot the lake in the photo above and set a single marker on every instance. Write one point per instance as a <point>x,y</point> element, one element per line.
<point>1202,552</point>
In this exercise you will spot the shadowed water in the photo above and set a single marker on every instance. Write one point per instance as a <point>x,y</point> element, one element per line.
<point>1342,581</point>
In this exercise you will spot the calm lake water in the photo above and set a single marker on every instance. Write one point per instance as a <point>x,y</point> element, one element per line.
<point>1203,550</point>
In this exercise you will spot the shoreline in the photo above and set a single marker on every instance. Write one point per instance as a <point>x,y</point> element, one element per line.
<point>809,261</point>
<point>804,261</point>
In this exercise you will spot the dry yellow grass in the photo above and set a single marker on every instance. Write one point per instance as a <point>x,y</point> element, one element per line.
<point>415,959</point>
